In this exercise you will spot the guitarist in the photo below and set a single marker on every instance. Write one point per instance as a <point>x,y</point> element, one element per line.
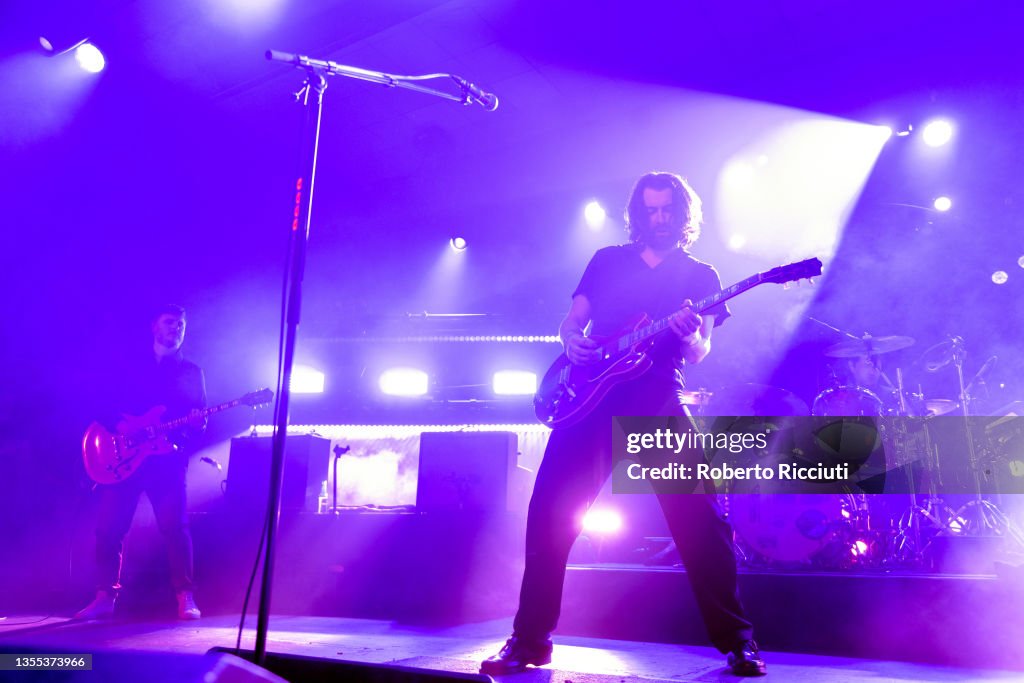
<point>652,274</point>
<point>161,377</point>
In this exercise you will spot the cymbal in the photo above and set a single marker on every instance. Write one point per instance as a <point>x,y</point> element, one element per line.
<point>940,406</point>
<point>756,400</point>
<point>868,346</point>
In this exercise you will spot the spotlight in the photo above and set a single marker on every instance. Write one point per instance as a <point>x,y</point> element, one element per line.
<point>737,242</point>
<point>1020,262</point>
<point>942,203</point>
<point>859,548</point>
<point>602,521</point>
<point>594,214</point>
<point>937,133</point>
<point>404,382</point>
<point>515,383</point>
<point>306,380</point>
<point>1000,277</point>
<point>90,58</point>
<point>457,243</point>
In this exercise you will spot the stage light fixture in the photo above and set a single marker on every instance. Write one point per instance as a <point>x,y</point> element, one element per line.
<point>57,44</point>
<point>515,383</point>
<point>942,203</point>
<point>90,58</point>
<point>404,382</point>
<point>1000,277</point>
<point>602,521</point>
<point>937,133</point>
<point>306,380</point>
<point>457,244</point>
<point>594,214</point>
<point>1020,262</point>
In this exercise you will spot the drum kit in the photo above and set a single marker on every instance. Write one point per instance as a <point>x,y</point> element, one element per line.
<point>843,528</point>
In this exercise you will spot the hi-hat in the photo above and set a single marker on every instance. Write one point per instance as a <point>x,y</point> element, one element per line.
<point>699,397</point>
<point>868,346</point>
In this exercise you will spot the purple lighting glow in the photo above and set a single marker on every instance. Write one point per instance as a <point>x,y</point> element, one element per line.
<point>602,521</point>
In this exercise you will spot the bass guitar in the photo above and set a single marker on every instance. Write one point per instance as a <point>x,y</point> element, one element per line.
<point>113,457</point>
<point>570,392</point>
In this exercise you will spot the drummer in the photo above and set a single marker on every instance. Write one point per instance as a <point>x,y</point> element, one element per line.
<point>866,372</point>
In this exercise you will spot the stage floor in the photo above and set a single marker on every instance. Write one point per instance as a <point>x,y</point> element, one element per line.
<point>460,649</point>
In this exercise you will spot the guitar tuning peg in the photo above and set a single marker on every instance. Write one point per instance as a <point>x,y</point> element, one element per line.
<point>811,281</point>
<point>785,285</point>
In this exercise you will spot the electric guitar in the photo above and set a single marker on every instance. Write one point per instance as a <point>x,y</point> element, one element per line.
<point>569,392</point>
<point>113,457</point>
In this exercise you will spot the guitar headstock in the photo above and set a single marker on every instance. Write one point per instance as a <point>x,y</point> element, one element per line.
<point>257,398</point>
<point>793,272</point>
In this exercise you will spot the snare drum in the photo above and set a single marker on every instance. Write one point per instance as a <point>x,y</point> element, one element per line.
<point>847,401</point>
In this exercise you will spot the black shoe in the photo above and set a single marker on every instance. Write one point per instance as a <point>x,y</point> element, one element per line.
<point>745,660</point>
<point>516,655</point>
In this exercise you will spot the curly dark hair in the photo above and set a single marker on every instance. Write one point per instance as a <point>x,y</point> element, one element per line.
<point>682,195</point>
<point>168,309</point>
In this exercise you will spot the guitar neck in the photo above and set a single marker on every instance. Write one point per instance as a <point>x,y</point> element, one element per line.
<point>205,412</point>
<point>700,307</point>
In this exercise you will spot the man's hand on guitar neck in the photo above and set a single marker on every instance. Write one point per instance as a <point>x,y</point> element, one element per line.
<point>197,421</point>
<point>686,324</point>
<point>694,332</point>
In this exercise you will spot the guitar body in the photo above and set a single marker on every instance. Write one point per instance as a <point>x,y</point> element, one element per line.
<point>569,392</point>
<point>113,457</point>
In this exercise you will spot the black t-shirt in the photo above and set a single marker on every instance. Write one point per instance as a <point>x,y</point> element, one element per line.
<point>621,287</point>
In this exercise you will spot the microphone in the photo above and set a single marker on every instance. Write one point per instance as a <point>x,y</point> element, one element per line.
<point>488,101</point>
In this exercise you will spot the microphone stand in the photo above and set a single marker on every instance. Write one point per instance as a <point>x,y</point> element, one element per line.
<point>311,97</point>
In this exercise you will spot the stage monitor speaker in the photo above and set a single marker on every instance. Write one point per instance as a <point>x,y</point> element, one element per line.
<point>299,669</point>
<point>120,666</point>
<point>307,461</point>
<point>466,471</point>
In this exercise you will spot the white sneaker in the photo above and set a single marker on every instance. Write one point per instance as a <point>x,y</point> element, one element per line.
<point>101,607</point>
<point>187,606</point>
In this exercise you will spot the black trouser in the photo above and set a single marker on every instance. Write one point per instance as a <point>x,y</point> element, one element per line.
<point>577,461</point>
<point>162,478</point>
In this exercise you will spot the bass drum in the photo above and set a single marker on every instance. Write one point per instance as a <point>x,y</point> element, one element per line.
<point>847,401</point>
<point>790,527</point>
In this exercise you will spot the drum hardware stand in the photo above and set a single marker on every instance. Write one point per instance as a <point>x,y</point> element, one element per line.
<point>930,513</point>
<point>977,517</point>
